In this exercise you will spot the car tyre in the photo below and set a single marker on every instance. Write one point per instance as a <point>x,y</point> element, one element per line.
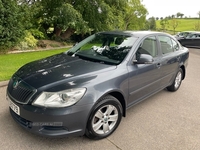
<point>177,81</point>
<point>105,118</point>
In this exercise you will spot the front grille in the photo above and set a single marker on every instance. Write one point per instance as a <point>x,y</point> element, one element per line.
<point>20,91</point>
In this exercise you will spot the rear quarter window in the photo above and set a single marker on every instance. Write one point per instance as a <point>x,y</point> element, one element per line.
<point>166,44</point>
<point>175,45</point>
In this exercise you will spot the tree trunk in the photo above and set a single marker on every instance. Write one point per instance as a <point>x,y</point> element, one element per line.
<point>57,31</point>
<point>67,33</point>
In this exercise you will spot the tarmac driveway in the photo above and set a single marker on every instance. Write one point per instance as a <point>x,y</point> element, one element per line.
<point>164,121</point>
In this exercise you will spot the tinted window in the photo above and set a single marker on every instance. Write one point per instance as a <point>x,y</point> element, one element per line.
<point>193,36</point>
<point>176,46</point>
<point>148,46</point>
<point>166,44</point>
<point>198,35</point>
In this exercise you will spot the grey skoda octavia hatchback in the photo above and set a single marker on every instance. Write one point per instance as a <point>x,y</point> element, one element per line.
<point>87,89</point>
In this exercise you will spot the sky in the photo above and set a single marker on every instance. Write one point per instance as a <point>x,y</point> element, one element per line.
<point>164,8</point>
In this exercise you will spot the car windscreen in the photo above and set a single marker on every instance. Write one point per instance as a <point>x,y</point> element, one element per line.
<point>104,48</point>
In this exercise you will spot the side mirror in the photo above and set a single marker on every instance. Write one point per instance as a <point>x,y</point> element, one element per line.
<point>144,59</point>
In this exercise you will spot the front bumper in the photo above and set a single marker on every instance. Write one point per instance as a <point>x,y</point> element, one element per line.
<point>70,121</point>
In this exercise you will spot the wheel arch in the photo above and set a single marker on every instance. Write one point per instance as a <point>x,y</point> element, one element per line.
<point>119,96</point>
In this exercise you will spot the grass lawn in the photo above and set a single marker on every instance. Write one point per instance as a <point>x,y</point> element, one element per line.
<point>10,63</point>
<point>184,24</point>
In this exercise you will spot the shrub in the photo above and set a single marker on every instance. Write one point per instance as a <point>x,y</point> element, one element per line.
<point>28,42</point>
<point>41,44</point>
<point>37,34</point>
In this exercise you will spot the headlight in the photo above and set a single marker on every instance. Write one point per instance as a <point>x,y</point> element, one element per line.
<point>60,99</point>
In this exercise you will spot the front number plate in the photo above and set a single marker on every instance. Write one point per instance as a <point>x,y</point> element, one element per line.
<point>15,108</point>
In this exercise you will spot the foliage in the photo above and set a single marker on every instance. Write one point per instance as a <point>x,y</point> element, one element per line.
<point>37,34</point>
<point>179,15</point>
<point>98,14</point>
<point>174,24</point>
<point>164,23</point>
<point>134,16</point>
<point>197,26</point>
<point>67,17</point>
<point>28,42</point>
<point>151,24</point>
<point>11,27</point>
<point>59,19</point>
<point>62,17</point>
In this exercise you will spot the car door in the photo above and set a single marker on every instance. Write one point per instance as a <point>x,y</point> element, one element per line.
<point>144,78</point>
<point>192,40</point>
<point>170,59</point>
<point>196,41</point>
<point>188,40</point>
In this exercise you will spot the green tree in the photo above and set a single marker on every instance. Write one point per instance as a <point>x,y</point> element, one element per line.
<point>68,16</point>
<point>174,24</point>
<point>169,17</point>
<point>11,27</point>
<point>100,14</point>
<point>164,23</point>
<point>134,16</point>
<point>151,24</point>
<point>179,15</point>
<point>62,18</point>
<point>197,26</point>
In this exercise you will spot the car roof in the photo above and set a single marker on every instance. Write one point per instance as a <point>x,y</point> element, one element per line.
<point>195,33</point>
<point>133,33</point>
<point>187,31</point>
<point>192,32</point>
